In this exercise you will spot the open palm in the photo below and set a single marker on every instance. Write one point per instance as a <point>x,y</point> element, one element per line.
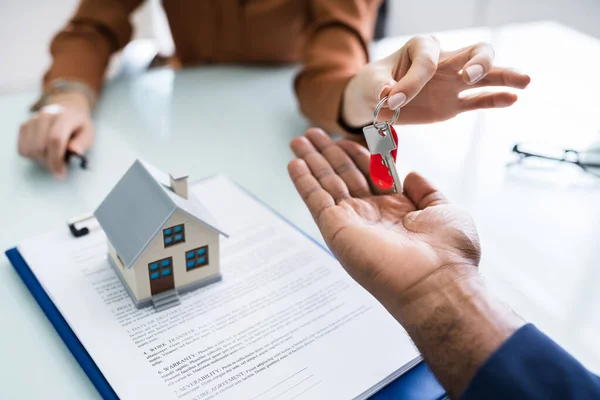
<point>388,243</point>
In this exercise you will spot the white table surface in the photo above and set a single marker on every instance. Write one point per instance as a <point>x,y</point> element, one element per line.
<point>540,236</point>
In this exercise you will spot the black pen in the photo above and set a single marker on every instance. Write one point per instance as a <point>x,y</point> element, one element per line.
<point>83,162</point>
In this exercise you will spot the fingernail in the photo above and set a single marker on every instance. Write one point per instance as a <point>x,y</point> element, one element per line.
<point>383,87</point>
<point>60,176</point>
<point>474,72</point>
<point>396,100</point>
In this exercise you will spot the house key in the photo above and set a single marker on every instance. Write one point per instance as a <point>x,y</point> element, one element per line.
<point>382,142</point>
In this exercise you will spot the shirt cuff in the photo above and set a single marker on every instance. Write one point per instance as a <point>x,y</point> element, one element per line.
<point>530,365</point>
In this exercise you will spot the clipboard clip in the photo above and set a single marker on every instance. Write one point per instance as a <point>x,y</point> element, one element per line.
<point>79,232</point>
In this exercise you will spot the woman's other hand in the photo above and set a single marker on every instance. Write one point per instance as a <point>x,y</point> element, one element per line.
<point>65,123</point>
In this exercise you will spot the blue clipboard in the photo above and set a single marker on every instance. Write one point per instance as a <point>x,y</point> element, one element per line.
<point>416,384</point>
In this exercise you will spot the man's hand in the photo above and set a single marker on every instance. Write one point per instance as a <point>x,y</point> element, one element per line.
<point>397,246</point>
<point>65,123</point>
<point>416,253</point>
<point>426,82</point>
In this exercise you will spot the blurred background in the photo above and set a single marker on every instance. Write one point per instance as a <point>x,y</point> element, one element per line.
<point>35,21</point>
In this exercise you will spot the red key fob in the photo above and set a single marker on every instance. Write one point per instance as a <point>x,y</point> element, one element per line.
<point>380,174</point>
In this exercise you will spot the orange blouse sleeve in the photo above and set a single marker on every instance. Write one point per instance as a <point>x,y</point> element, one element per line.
<point>82,49</point>
<point>336,50</point>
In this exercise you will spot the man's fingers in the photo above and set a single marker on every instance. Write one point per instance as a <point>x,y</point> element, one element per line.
<point>340,161</point>
<point>422,193</point>
<point>487,100</point>
<point>479,64</point>
<point>320,168</point>
<point>358,153</point>
<point>315,197</point>
<point>499,76</point>
<point>423,54</point>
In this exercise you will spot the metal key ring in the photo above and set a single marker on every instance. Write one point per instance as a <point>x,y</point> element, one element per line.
<point>378,109</point>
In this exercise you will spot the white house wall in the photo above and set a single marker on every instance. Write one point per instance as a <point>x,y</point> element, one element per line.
<point>127,274</point>
<point>196,235</point>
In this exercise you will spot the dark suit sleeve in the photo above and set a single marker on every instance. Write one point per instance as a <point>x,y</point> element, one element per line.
<point>531,366</point>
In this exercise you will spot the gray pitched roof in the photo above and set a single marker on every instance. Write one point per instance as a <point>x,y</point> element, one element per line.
<point>138,207</point>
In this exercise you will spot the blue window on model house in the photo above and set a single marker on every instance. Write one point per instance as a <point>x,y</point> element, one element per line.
<point>196,258</point>
<point>174,235</point>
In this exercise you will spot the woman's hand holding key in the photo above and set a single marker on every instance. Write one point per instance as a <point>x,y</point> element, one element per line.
<point>427,83</point>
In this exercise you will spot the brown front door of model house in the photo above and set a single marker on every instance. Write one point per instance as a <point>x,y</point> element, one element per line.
<point>160,274</point>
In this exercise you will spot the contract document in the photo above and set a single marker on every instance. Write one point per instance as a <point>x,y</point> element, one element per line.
<point>286,322</point>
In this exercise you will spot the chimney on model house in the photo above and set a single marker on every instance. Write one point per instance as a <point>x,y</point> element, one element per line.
<point>179,183</point>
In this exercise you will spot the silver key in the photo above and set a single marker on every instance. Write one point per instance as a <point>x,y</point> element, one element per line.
<point>380,141</point>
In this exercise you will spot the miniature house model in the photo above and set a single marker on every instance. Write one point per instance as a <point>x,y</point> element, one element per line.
<point>161,242</point>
